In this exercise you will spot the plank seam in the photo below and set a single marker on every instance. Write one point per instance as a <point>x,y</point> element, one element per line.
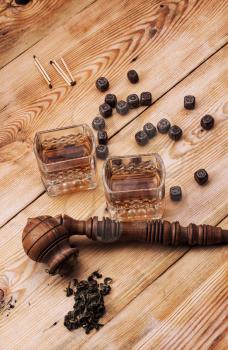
<point>26,206</point>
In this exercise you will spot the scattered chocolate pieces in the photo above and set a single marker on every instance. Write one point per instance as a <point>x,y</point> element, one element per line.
<point>102,137</point>
<point>146,99</point>
<point>122,107</point>
<point>98,123</point>
<point>207,122</point>
<point>133,76</point>
<point>102,84</point>
<point>175,133</point>
<point>175,193</point>
<point>89,303</point>
<point>105,110</point>
<point>189,102</point>
<point>133,101</point>
<point>201,176</point>
<point>163,126</point>
<point>150,130</point>
<point>141,138</point>
<point>102,151</point>
<point>111,100</point>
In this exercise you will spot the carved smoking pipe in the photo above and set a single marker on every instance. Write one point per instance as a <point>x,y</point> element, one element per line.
<point>46,239</point>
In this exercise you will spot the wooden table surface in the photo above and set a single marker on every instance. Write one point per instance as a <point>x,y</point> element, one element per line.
<point>162,298</point>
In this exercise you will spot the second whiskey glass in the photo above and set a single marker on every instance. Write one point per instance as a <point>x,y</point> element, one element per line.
<point>135,186</point>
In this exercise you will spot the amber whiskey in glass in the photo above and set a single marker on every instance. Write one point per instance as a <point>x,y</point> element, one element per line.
<point>135,187</point>
<point>66,159</point>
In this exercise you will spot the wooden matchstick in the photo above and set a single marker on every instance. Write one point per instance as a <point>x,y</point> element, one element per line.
<point>61,72</point>
<point>68,71</point>
<point>42,71</point>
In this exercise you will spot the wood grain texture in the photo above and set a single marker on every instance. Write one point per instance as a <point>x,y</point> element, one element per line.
<point>185,308</point>
<point>138,34</point>
<point>22,26</point>
<point>221,342</point>
<point>133,266</point>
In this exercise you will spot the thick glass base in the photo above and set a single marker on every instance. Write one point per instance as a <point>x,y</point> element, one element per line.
<point>55,188</point>
<point>137,210</point>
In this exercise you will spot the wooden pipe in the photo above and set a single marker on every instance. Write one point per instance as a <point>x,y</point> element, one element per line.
<point>46,239</point>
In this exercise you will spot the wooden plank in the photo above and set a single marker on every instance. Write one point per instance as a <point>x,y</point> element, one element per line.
<point>185,308</point>
<point>133,266</point>
<point>23,26</point>
<point>123,33</point>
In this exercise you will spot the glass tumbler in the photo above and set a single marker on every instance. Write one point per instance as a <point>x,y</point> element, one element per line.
<point>66,159</point>
<point>135,187</point>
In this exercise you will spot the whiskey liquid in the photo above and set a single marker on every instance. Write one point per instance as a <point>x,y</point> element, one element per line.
<point>65,148</point>
<point>131,182</point>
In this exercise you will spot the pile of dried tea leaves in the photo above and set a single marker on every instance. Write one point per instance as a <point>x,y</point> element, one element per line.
<point>6,305</point>
<point>89,302</point>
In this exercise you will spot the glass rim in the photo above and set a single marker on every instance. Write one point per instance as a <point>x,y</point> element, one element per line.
<point>84,125</point>
<point>156,155</point>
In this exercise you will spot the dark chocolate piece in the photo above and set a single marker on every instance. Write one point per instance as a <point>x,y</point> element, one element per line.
<point>105,110</point>
<point>133,101</point>
<point>201,176</point>
<point>133,76</point>
<point>175,133</point>
<point>189,102</point>
<point>175,193</point>
<point>150,130</point>
<point>122,107</point>
<point>102,151</point>
<point>146,98</point>
<point>163,126</point>
<point>102,84</point>
<point>111,100</point>
<point>141,138</point>
<point>98,123</point>
<point>102,137</point>
<point>207,122</point>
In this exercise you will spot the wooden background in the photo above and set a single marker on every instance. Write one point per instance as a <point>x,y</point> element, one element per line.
<point>162,298</point>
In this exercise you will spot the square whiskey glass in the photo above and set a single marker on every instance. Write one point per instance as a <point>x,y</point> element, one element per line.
<point>134,186</point>
<point>66,159</point>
